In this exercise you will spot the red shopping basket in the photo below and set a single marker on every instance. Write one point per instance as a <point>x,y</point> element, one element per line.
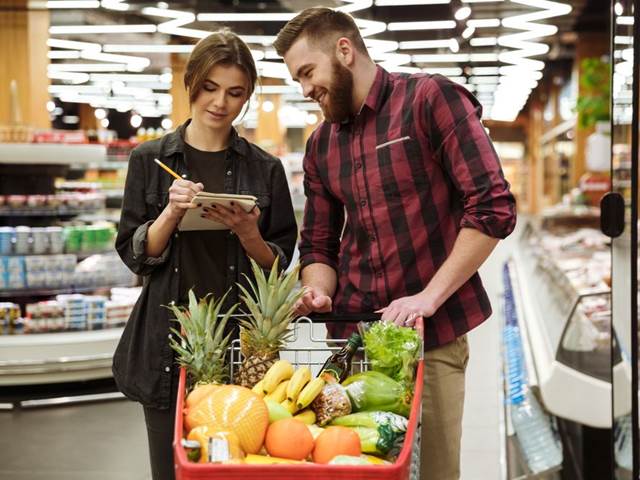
<point>406,466</point>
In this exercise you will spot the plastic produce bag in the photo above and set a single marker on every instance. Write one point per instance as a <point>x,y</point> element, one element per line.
<point>371,391</point>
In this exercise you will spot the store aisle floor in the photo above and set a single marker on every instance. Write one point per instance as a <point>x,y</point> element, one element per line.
<point>481,437</point>
<point>107,441</point>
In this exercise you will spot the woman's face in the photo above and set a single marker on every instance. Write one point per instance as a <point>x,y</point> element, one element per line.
<point>222,97</point>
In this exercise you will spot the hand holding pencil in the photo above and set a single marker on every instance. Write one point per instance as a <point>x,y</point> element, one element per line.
<point>181,192</point>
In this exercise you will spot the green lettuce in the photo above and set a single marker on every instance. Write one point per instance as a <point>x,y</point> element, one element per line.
<point>393,350</point>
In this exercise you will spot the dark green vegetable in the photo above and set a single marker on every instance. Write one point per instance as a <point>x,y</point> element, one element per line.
<point>381,433</point>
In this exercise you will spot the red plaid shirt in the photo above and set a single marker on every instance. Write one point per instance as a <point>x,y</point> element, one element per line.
<point>409,171</point>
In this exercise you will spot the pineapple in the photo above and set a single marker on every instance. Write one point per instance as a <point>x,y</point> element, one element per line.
<point>201,347</point>
<point>265,330</point>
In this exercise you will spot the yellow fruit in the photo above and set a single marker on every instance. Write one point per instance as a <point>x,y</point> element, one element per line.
<point>280,393</point>
<point>200,391</point>
<point>202,434</point>
<point>309,393</point>
<point>307,416</point>
<point>266,460</point>
<point>300,378</point>
<point>235,408</point>
<point>290,406</point>
<point>279,372</point>
<point>257,389</point>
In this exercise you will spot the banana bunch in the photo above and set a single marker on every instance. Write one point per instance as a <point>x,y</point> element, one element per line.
<point>293,389</point>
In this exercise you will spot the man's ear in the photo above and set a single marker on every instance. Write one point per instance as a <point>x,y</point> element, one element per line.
<point>345,52</point>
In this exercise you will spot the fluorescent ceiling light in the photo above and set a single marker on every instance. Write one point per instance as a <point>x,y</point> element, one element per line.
<point>467,32</point>
<point>245,17</point>
<point>462,13</point>
<point>481,1</point>
<point>618,8</point>
<point>624,20</point>
<point>435,25</point>
<point>168,13</point>
<point>73,77</point>
<point>441,58</point>
<point>623,40</point>
<point>134,62</point>
<point>87,67</point>
<point>399,3</point>
<point>115,5</point>
<point>485,88</point>
<point>459,80</point>
<point>483,42</point>
<point>420,44</point>
<point>63,54</point>
<point>79,29</point>
<point>128,77</point>
<point>71,44</point>
<point>151,48</point>
<point>489,79</point>
<point>483,57</point>
<point>485,70</point>
<point>355,5</point>
<point>370,27</point>
<point>73,4</point>
<point>484,23</point>
<point>451,71</point>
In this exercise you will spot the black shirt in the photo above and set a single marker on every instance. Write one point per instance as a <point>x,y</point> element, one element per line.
<point>203,253</point>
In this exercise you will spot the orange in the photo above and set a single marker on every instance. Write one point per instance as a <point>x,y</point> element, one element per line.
<point>289,438</point>
<point>336,441</point>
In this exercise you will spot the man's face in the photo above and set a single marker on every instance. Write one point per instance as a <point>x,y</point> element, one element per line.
<point>323,79</point>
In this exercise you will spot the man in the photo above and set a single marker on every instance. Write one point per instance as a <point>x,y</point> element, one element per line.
<point>407,160</point>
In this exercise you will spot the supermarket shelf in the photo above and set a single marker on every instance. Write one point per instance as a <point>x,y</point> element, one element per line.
<point>46,212</point>
<point>46,292</point>
<point>108,165</point>
<point>57,357</point>
<point>71,400</point>
<point>51,154</point>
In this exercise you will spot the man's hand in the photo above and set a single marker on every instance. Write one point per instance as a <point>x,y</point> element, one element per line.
<point>313,300</point>
<point>404,311</point>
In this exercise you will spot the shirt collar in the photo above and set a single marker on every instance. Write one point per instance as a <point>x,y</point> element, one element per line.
<point>173,142</point>
<point>376,95</point>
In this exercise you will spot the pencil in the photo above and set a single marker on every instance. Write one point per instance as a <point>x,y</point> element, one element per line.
<point>167,169</point>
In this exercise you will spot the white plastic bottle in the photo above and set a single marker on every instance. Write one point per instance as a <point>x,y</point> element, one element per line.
<point>541,448</point>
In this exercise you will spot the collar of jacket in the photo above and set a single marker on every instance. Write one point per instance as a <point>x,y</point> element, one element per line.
<point>173,142</point>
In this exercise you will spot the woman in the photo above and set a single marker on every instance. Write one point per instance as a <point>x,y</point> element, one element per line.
<point>208,153</point>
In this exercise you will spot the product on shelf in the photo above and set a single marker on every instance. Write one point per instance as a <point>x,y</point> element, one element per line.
<point>10,321</point>
<point>59,203</point>
<point>70,312</point>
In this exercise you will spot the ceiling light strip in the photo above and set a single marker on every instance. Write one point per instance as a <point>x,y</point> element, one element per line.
<point>401,3</point>
<point>431,25</point>
<point>53,4</point>
<point>82,29</point>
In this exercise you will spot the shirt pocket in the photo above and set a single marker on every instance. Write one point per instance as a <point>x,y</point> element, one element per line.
<point>263,198</point>
<point>401,169</point>
<point>156,202</point>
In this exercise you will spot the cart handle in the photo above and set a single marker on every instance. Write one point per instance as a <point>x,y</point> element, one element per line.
<point>343,317</point>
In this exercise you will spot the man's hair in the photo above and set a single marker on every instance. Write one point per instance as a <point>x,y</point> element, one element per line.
<point>220,48</point>
<point>321,26</point>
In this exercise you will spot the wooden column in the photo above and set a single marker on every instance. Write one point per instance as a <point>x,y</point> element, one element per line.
<point>270,134</point>
<point>88,120</point>
<point>589,45</point>
<point>180,109</point>
<point>23,58</point>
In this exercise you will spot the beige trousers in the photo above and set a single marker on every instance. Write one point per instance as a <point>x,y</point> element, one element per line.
<point>442,405</point>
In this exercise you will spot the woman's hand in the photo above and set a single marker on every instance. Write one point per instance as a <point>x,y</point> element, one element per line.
<point>243,224</point>
<point>181,193</point>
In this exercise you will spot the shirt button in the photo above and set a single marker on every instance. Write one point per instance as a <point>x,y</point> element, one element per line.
<point>167,369</point>
<point>169,338</point>
<point>175,269</point>
<point>175,235</point>
<point>372,237</point>
<point>229,173</point>
<point>358,165</point>
<point>232,267</point>
<point>363,203</point>
<point>159,205</point>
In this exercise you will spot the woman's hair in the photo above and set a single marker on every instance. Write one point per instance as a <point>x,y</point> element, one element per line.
<point>322,27</point>
<point>220,48</point>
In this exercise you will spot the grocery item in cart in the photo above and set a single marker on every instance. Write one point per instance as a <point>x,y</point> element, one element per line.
<point>332,402</point>
<point>372,390</point>
<point>338,366</point>
<point>266,329</point>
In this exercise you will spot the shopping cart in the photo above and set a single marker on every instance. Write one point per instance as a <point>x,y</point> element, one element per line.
<point>308,347</point>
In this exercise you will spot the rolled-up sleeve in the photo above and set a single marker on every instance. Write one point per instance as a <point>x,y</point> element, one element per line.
<point>463,148</point>
<point>323,217</point>
<point>134,224</point>
<point>281,228</point>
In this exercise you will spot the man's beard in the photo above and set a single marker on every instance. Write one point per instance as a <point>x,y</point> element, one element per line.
<point>340,95</point>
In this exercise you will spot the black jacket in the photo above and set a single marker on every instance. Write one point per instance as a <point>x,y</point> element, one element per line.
<point>143,362</point>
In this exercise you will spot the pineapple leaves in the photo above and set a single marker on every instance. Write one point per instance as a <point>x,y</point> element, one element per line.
<point>200,345</point>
